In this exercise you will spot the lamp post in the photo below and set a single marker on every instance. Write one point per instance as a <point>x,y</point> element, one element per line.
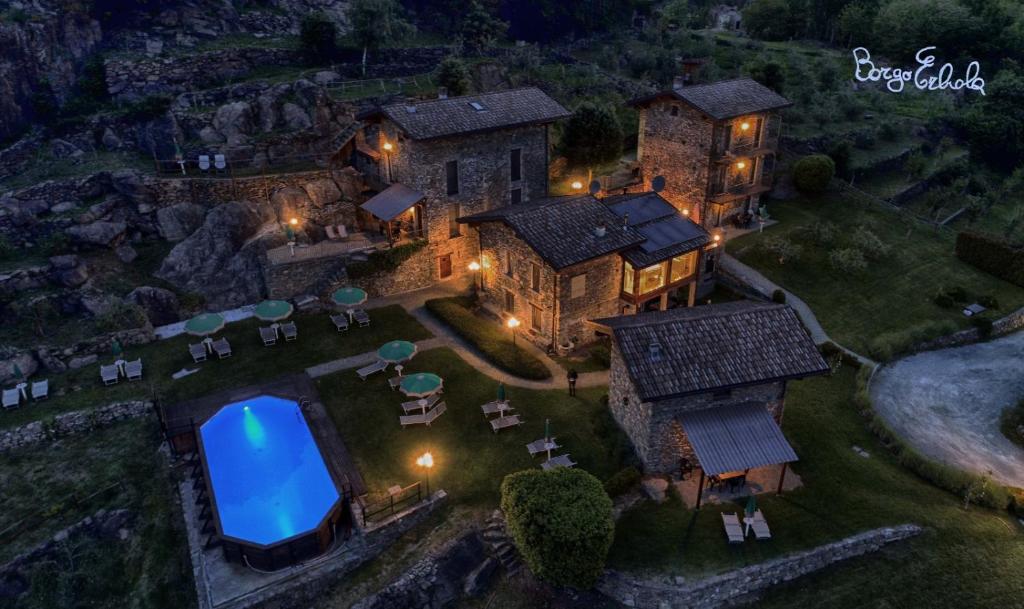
<point>475,267</point>
<point>577,186</point>
<point>388,147</point>
<point>513,323</point>
<point>426,461</point>
<point>289,233</point>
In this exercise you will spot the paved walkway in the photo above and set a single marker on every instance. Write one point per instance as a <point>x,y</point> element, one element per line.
<point>947,404</point>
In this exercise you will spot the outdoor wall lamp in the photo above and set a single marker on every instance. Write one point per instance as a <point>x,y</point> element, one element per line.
<point>741,165</point>
<point>577,185</point>
<point>388,146</point>
<point>744,126</point>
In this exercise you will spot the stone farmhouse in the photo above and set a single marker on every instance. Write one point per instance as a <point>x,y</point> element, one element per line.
<point>717,144</point>
<point>705,387</point>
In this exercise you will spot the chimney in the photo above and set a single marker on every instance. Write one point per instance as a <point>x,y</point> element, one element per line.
<point>600,230</point>
<point>678,82</point>
<point>625,221</point>
<point>654,351</point>
<point>442,93</point>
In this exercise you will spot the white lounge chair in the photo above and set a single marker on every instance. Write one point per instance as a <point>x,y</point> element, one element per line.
<point>733,530</point>
<point>41,390</point>
<point>204,162</point>
<point>361,317</point>
<point>342,231</point>
<point>109,374</point>
<point>415,405</point>
<point>556,462</point>
<point>222,348</point>
<point>133,370</point>
<point>542,446</point>
<point>424,419</point>
<point>377,366</point>
<point>219,162</point>
<point>496,407</point>
<point>331,233</point>
<point>499,423</point>
<point>759,525</point>
<point>269,336</point>
<point>12,398</point>
<point>198,352</point>
<point>340,322</point>
<point>395,381</point>
<point>290,330</point>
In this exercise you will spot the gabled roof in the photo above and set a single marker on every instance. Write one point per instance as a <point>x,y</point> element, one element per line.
<point>723,99</point>
<point>713,347</point>
<point>667,232</point>
<point>392,201</point>
<point>562,230</point>
<point>735,437</point>
<point>438,118</point>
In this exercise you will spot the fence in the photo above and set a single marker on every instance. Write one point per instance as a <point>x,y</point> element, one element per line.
<point>395,502</point>
<point>36,518</point>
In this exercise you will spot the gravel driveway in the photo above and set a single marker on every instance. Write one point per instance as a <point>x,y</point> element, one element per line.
<point>947,403</point>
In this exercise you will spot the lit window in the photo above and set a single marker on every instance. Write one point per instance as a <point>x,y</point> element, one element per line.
<point>578,286</point>
<point>535,277</point>
<point>536,318</point>
<point>652,278</point>
<point>627,278</point>
<point>683,266</point>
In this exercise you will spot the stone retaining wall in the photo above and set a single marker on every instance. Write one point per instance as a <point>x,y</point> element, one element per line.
<point>744,585</point>
<point>70,423</point>
<point>1011,323</point>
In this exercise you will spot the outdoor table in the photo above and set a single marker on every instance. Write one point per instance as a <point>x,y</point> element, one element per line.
<point>559,461</point>
<point>399,369</point>
<point>422,404</point>
<point>542,445</point>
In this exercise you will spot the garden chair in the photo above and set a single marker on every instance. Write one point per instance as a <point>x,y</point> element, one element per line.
<point>41,390</point>
<point>542,446</point>
<point>361,317</point>
<point>204,162</point>
<point>394,382</point>
<point>133,370</point>
<point>109,374</point>
<point>733,530</point>
<point>198,352</point>
<point>340,322</point>
<point>759,525</point>
<point>504,422</point>
<point>12,398</point>
<point>556,462</point>
<point>290,330</point>
<point>415,405</point>
<point>496,407</point>
<point>377,366</point>
<point>220,163</point>
<point>425,418</point>
<point>222,348</point>
<point>269,336</point>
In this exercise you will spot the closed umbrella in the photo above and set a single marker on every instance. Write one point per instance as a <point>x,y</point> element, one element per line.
<point>547,436</point>
<point>116,349</point>
<point>751,506</point>
<point>397,351</point>
<point>501,392</point>
<point>349,297</point>
<point>273,310</point>
<point>421,384</point>
<point>205,324</point>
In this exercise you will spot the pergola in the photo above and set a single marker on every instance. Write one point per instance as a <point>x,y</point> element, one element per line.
<point>392,202</point>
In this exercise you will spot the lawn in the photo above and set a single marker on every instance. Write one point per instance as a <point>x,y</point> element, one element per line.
<point>318,342</point>
<point>470,459</point>
<point>965,559</point>
<point>149,569</point>
<point>893,294</point>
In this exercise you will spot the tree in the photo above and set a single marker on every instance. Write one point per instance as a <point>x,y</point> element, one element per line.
<point>995,123</point>
<point>769,73</point>
<point>902,27</point>
<point>318,38</point>
<point>770,20</point>
<point>782,249</point>
<point>857,22</point>
<point>592,136</point>
<point>377,23</point>
<point>453,75</point>
<point>677,14</point>
<point>481,29</point>
<point>813,173</point>
<point>561,522</point>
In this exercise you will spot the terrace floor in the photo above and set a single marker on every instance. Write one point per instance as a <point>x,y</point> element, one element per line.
<point>759,481</point>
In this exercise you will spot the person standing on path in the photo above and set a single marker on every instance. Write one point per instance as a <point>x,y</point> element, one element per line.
<point>572,376</point>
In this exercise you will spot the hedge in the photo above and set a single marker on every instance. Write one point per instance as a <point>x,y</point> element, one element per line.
<point>493,341</point>
<point>561,522</point>
<point>813,173</point>
<point>885,347</point>
<point>382,261</point>
<point>992,255</point>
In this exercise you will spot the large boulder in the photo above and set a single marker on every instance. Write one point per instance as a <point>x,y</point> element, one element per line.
<point>322,192</point>
<point>98,233</point>
<point>132,187</point>
<point>12,361</point>
<point>179,221</point>
<point>222,259</point>
<point>99,304</point>
<point>295,117</point>
<point>290,200</point>
<point>161,306</point>
<point>234,121</point>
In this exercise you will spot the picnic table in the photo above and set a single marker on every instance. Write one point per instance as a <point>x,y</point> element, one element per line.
<point>499,408</point>
<point>542,446</point>
<point>506,421</point>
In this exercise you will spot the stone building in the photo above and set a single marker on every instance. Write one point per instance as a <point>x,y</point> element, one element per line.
<point>715,144</point>
<point>705,386</point>
<point>434,161</point>
<point>555,263</point>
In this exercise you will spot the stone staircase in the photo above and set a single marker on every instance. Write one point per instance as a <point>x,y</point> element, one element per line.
<point>500,544</point>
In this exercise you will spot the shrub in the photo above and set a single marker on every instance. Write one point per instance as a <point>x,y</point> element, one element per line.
<point>832,352</point>
<point>602,354</point>
<point>123,316</point>
<point>848,260</point>
<point>813,173</point>
<point>840,152</point>
<point>886,346</point>
<point>453,75</point>
<point>561,522</point>
<point>870,244</point>
<point>889,131</point>
<point>779,296</point>
<point>915,164</point>
<point>318,38</point>
<point>823,233</point>
<point>6,249</point>
<point>148,108</point>
<point>54,244</point>
<point>992,255</point>
<point>490,338</point>
<point>956,293</point>
<point>782,249</point>
<point>984,326</point>
<point>865,140</point>
<point>384,261</point>
<point>622,481</point>
<point>944,300</point>
<point>989,302</point>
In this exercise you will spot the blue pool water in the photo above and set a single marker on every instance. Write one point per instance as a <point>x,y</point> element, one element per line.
<point>268,477</point>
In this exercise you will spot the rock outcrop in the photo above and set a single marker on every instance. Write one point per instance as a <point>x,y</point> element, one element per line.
<point>161,306</point>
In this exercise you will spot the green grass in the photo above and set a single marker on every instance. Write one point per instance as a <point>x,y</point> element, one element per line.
<point>893,294</point>
<point>45,167</point>
<point>149,569</point>
<point>471,460</point>
<point>318,342</point>
<point>592,358</point>
<point>964,559</point>
<point>488,336</point>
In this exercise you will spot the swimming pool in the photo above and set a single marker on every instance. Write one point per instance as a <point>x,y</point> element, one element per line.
<point>266,475</point>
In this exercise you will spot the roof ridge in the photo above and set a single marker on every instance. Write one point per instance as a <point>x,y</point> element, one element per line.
<point>459,97</point>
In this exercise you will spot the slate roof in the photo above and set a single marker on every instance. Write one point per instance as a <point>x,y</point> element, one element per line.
<point>392,201</point>
<point>735,437</point>
<point>562,229</point>
<point>438,118</point>
<point>667,232</point>
<point>713,347</point>
<point>724,99</point>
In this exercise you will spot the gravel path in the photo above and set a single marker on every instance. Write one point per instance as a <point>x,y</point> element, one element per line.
<point>947,403</point>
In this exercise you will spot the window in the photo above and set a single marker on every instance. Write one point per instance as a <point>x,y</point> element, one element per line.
<point>536,317</point>
<point>652,278</point>
<point>510,302</point>
<point>709,265</point>
<point>454,228</point>
<point>627,278</point>
<point>516,195</point>
<point>516,162</point>
<point>683,266</point>
<point>508,263</point>
<point>534,277</point>
<point>674,111</point>
<point>451,169</point>
<point>578,286</point>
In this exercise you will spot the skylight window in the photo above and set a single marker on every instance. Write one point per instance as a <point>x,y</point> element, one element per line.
<point>477,106</point>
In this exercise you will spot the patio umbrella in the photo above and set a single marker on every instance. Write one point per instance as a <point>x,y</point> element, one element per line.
<point>205,324</point>
<point>421,384</point>
<point>751,506</point>
<point>501,392</point>
<point>349,297</point>
<point>116,349</point>
<point>397,351</point>
<point>273,310</point>
<point>547,436</point>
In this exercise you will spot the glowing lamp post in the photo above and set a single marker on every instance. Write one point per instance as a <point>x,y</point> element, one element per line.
<point>426,461</point>
<point>513,323</point>
<point>475,267</point>
<point>388,147</point>
<point>289,233</point>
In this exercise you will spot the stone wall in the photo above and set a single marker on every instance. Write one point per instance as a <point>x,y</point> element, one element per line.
<point>70,423</point>
<point>743,586</point>
<point>679,148</point>
<point>601,298</point>
<point>1010,323</point>
<point>289,279</point>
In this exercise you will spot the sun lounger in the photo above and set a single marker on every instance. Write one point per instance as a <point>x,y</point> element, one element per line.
<point>506,421</point>
<point>109,374</point>
<point>733,530</point>
<point>268,336</point>
<point>377,366</point>
<point>290,330</point>
<point>340,322</point>
<point>220,162</point>
<point>222,348</point>
<point>204,162</point>
<point>496,407</point>
<point>415,405</point>
<point>361,317</point>
<point>41,390</point>
<point>542,446</point>
<point>424,419</point>
<point>556,462</point>
<point>759,525</point>
<point>12,398</point>
<point>198,352</point>
<point>394,382</point>
<point>331,233</point>
<point>133,370</point>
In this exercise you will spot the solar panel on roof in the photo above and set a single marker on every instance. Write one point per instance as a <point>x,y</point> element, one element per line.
<point>643,209</point>
<point>669,231</point>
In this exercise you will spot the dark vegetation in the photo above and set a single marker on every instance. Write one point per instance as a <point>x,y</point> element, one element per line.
<point>992,255</point>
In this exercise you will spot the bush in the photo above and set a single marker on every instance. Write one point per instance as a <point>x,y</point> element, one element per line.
<point>891,344</point>
<point>823,233</point>
<point>384,261</point>
<point>561,522</point>
<point>992,255</point>
<point>989,302</point>
<point>453,75</point>
<point>1010,423</point>
<point>782,249</point>
<point>602,354</point>
<point>318,39</point>
<point>622,481</point>
<point>6,249</point>
<point>889,131</point>
<point>840,152</point>
<point>944,300</point>
<point>870,244</point>
<point>984,326</point>
<point>148,108</point>
<point>779,296</point>
<point>865,140</point>
<point>848,260</point>
<point>490,338</point>
<point>813,173</point>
